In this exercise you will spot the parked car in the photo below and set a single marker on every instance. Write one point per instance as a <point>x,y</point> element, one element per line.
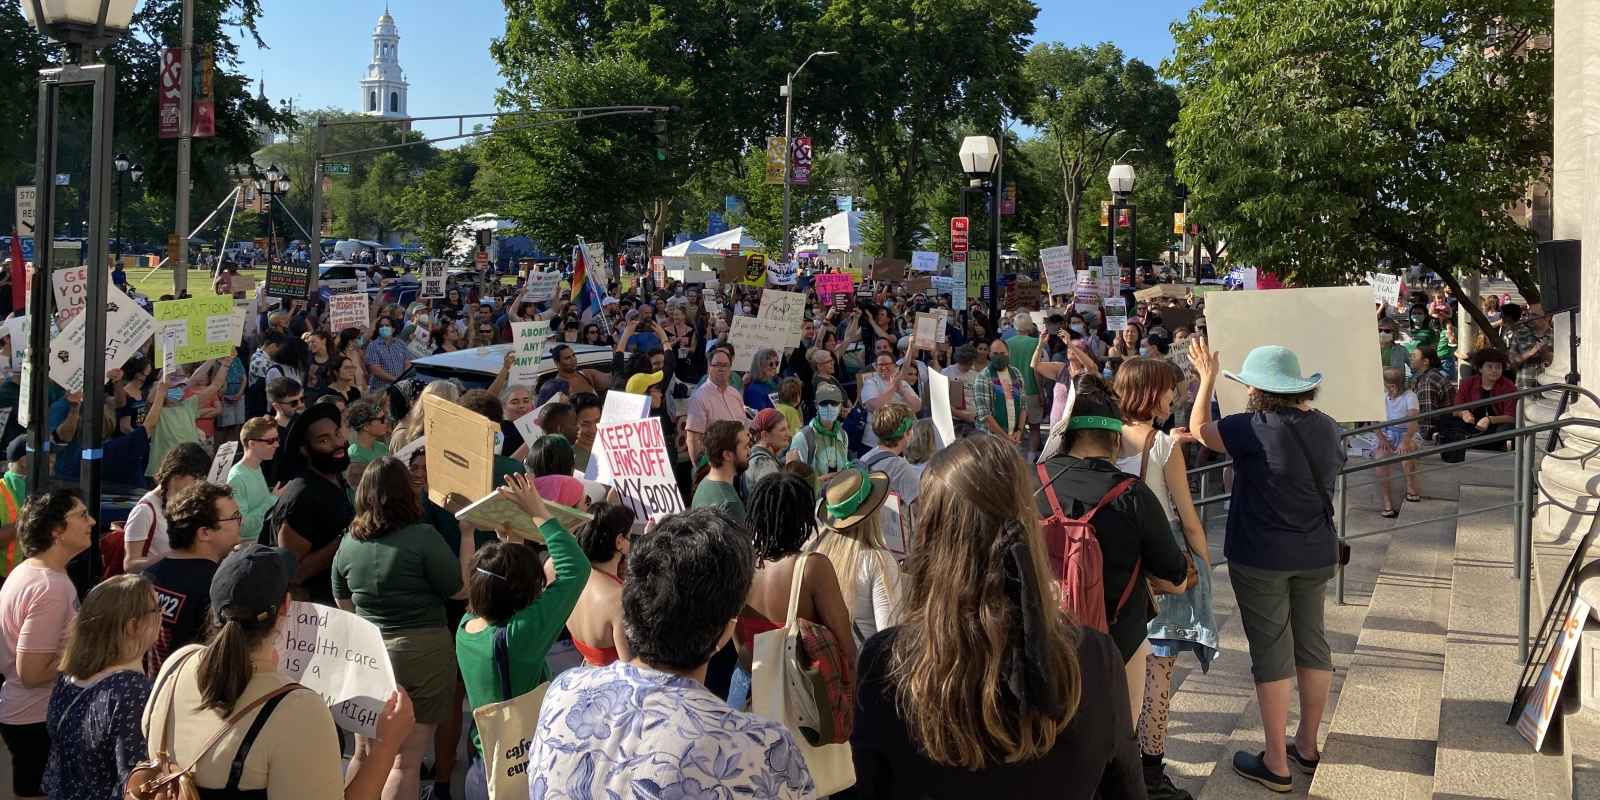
<point>475,368</point>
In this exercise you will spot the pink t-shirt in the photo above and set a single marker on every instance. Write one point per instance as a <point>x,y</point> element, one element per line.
<point>708,404</point>
<point>37,606</point>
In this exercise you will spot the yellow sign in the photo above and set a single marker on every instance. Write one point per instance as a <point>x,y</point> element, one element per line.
<point>1105,213</point>
<point>200,328</point>
<point>977,274</point>
<point>1177,223</point>
<point>776,145</point>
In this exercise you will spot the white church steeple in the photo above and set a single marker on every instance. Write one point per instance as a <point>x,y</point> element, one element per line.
<point>383,90</point>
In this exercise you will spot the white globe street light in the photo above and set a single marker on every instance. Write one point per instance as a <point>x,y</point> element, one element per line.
<point>86,23</point>
<point>979,156</point>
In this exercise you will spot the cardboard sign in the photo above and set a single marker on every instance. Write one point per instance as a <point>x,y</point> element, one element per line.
<point>497,512</point>
<point>1329,329</point>
<point>71,285</point>
<point>750,335</point>
<point>788,308</point>
<point>944,323</point>
<point>732,269</point>
<point>222,462</point>
<point>1058,269</point>
<point>888,269</point>
<point>927,331</point>
<point>433,280</point>
<point>289,281</point>
<point>1545,699</point>
<point>348,311</point>
<point>341,657</point>
<point>541,287</point>
<point>128,327</point>
<point>206,322</point>
<point>640,467</point>
<point>924,260</point>
<point>1022,293</point>
<point>830,283</point>
<point>1173,290</point>
<point>1385,288</point>
<point>527,346</point>
<point>461,460</point>
<point>919,284</point>
<point>782,273</point>
<point>1116,310</point>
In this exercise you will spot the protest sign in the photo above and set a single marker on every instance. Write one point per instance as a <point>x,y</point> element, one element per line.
<point>497,512</point>
<point>1319,325</point>
<point>206,322</point>
<point>641,470</point>
<point>939,388</point>
<point>347,311</point>
<point>831,283</point>
<point>421,344</point>
<point>786,307</point>
<point>1173,290</point>
<point>1088,286</point>
<point>461,461</point>
<point>16,328</point>
<point>432,281</point>
<point>528,426</point>
<point>620,406</point>
<point>128,327</point>
<point>527,347</point>
<point>1174,318</point>
<point>1058,269</point>
<point>731,270</point>
<point>222,462</point>
<point>1116,310</point>
<point>289,281</point>
<point>924,260</point>
<point>888,269</point>
<point>1385,288</point>
<point>71,285</point>
<point>596,264</point>
<point>341,657</point>
<point>944,320</point>
<point>658,270</point>
<point>921,283</point>
<point>1247,277</point>
<point>927,331</point>
<point>541,287</point>
<point>945,285</point>
<point>781,273</point>
<point>958,293</point>
<point>23,390</point>
<point>750,335</point>
<point>1022,293</point>
<point>1544,699</point>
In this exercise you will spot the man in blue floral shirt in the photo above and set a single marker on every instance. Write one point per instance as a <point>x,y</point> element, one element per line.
<point>648,727</point>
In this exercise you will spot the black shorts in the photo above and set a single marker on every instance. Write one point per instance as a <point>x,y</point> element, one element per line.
<point>30,749</point>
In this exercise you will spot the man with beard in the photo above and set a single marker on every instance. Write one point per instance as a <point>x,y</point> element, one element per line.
<point>728,451</point>
<point>315,508</point>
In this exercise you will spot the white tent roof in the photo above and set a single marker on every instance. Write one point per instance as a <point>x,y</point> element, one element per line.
<point>726,239</point>
<point>687,249</point>
<point>842,231</point>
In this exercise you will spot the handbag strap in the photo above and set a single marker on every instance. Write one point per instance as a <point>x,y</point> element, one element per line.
<point>172,700</point>
<point>794,590</point>
<point>502,660</point>
<point>1144,453</point>
<point>1316,474</point>
<point>236,772</point>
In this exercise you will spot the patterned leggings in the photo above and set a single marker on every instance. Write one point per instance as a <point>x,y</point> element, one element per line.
<point>1157,699</point>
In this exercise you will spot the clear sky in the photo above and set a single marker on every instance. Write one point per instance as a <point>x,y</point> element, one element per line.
<point>318,50</point>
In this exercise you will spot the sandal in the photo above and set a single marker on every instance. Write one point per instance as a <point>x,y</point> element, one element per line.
<point>1389,513</point>
<point>1413,498</point>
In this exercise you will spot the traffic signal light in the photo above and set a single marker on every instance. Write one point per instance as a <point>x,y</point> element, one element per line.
<point>661,137</point>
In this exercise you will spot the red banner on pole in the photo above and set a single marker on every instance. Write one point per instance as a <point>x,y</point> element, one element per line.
<point>958,239</point>
<point>169,97</point>
<point>203,120</point>
<point>800,158</point>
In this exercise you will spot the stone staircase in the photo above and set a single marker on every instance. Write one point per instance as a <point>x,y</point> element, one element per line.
<point>1425,652</point>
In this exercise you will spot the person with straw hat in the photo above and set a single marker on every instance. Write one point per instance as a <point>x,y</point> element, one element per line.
<point>851,536</point>
<point>1282,546</point>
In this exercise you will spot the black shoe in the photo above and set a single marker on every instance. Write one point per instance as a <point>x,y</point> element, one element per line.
<point>1306,765</point>
<point>1254,767</point>
<point>1164,789</point>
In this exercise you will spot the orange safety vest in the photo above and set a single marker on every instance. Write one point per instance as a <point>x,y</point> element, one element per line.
<point>9,518</point>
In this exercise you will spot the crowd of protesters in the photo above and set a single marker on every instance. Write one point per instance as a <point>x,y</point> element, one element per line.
<point>818,489</point>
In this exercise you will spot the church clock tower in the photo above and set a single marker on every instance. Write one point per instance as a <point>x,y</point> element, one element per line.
<point>383,90</point>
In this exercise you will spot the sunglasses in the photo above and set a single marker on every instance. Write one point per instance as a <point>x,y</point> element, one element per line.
<point>273,440</point>
<point>298,402</point>
<point>826,403</point>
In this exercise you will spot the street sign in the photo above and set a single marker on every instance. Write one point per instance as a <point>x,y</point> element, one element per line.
<point>958,239</point>
<point>26,197</point>
<point>335,169</point>
<point>481,260</point>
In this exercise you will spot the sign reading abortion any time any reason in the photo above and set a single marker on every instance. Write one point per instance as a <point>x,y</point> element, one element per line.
<point>786,307</point>
<point>340,656</point>
<point>527,349</point>
<point>128,327</point>
<point>1319,325</point>
<point>203,326</point>
<point>750,335</point>
<point>640,468</point>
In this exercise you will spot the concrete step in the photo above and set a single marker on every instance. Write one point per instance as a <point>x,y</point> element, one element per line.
<point>1478,755</point>
<point>1381,741</point>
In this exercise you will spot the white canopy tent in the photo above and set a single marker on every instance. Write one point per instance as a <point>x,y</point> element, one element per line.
<point>726,240</point>
<point>840,232</point>
<point>687,249</point>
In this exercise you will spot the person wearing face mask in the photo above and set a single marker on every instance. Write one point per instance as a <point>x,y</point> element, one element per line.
<point>997,395</point>
<point>1390,353</point>
<point>315,509</point>
<point>170,421</point>
<point>386,356</point>
<point>822,444</point>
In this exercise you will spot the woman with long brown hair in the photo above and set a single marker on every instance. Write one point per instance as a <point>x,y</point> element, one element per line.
<point>985,688</point>
<point>394,570</point>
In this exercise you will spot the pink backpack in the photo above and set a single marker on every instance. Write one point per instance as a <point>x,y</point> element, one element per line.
<point>1076,559</point>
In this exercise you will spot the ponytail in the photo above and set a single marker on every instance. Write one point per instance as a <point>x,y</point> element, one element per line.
<point>225,667</point>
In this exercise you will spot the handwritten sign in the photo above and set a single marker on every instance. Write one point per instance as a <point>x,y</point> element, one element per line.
<point>640,468</point>
<point>527,347</point>
<point>341,657</point>
<point>347,311</point>
<point>1385,288</point>
<point>1058,269</point>
<point>195,316</point>
<point>752,334</point>
<point>222,462</point>
<point>830,283</point>
<point>541,287</point>
<point>782,273</point>
<point>924,260</point>
<point>1116,310</point>
<point>1545,696</point>
<point>432,280</point>
<point>939,388</point>
<point>128,327</point>
<point>786,307</point>
<point>927,331</point>
<point>71,285</point>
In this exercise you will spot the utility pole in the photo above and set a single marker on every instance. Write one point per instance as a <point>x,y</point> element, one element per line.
<point>996,196</point>
<point>180,228</point>
<point>788,144</point>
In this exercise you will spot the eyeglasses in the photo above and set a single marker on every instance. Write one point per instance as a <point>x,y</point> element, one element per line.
<point>234,518</point>
<point>298,402</point>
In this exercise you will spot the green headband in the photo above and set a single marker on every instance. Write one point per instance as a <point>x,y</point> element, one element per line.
<point>1094,423</point>
<point>848,506</point>
<point>904,428</point>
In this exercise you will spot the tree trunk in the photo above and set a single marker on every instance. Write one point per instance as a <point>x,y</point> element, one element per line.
<point>1074,203</point>
<point>1473,309</point>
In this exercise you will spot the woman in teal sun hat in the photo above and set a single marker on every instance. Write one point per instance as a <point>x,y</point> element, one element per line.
<point>1282,546</point>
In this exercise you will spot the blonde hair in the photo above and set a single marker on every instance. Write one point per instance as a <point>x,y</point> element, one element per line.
<point>950,663</point>
<point>256,427</point>
<point>98,636</point>
<point>921,442</point>
<point>846,547</point>
<point>408,429</point>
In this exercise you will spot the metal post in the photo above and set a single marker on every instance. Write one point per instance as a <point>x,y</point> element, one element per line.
<point>180,258</point>
<point>1340,490</point>
<point>119,215</point>
<point>40,297</point>
<point>1524,529</point>
<point>788,118</point>
<point>319,139</point>
<point>994,234</point>
<point>1111,226</point>
<point>1133,243</point>
<point>92,410</point>
<point>1519,479</point>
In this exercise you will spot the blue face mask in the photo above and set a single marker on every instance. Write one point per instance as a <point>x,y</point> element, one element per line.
<point>175,394</point>
<point>828,414</point>
<point>385,332</point>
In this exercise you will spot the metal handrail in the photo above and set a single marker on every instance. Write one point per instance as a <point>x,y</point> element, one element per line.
<point>1517,395</point>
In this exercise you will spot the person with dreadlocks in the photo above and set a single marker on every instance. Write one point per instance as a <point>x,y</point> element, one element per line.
<point>782,519</point>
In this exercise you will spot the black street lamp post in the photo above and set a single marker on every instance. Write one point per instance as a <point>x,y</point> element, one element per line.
<point>980,160</point>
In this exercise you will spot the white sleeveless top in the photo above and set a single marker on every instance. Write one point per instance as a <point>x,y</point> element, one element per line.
<point>1155,472</point>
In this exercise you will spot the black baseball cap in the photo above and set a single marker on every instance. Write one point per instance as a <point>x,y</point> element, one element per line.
<point>250,584</point>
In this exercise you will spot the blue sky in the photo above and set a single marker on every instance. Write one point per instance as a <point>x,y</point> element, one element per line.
<point>319,49</point>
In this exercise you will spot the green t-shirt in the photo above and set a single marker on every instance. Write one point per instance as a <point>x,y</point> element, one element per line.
<point>529,632</point>
<point>254,498</point>
<point>1021,349</point>
<point>716,494</point>
<point>175,427</point>
<point>363,455</point>
<point>398,581</point>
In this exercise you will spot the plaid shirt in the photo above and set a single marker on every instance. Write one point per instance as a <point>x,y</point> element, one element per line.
<point>983,389</point>
<point>1525,338</point>
<point>1434,391</point>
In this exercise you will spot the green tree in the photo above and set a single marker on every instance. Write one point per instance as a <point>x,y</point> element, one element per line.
<point>359,205</point>
<point>438,200</point>
<point>1091,105</point>
<point>1323,140</point>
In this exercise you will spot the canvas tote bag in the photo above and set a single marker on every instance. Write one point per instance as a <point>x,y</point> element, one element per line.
<point>506,730</point>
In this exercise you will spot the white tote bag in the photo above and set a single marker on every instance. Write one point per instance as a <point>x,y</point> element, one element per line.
<point>832,767</point>
<point>506,730</point>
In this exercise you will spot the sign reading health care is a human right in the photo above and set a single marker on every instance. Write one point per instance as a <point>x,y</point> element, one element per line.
<point>341,657</point>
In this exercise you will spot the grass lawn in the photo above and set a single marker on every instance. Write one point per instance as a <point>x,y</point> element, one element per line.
<point>154,284</point>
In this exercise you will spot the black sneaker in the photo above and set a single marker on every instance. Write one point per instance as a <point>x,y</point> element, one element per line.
<point>1165,789</point>
<point>1306,765</point>
<point>1254,767</point>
